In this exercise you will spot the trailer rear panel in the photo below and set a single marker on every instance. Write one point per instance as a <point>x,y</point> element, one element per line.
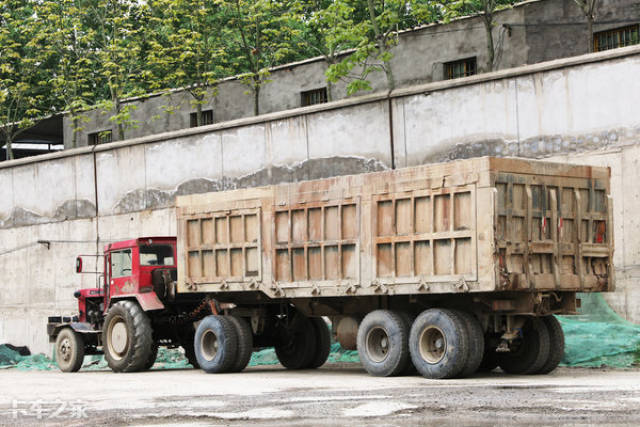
<point>477,225</point>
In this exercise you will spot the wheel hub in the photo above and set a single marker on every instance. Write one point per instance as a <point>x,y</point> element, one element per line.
<point>209,345</point>
<point>118,338</point>
<point>377,344</point>
<point>65,349</point>
<point>432,344</point>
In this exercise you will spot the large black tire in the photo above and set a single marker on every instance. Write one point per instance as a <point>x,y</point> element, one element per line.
<point>152,357</point>
<point>245,343</point>
<point>439,343</point>
<point>296,345</point>
<point>530,352</point>
<point>216,344</point>
<point>69,350</point>
<point>127,337</point>
<point>383,343</point>
<point>556,347</point>
<point>476,344</point>
<point>323,342</point>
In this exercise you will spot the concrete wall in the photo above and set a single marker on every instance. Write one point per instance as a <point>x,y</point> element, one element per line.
<point>534,34</point>
<point>80,199</point>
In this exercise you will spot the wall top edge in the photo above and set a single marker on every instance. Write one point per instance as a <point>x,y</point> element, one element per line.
<point>427,88</point>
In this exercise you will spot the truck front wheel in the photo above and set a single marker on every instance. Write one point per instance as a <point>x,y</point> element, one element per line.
<point>69,350</point>
<point>127,337</point>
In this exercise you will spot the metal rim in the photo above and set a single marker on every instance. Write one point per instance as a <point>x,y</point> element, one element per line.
<point>209,345</point>
<point>432,344</point>
<point>118,337</point>
<point>64,350</point>
<point>377,344</point>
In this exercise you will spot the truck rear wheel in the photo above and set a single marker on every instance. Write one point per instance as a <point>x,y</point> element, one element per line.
<point>296,345</point>
<point>216,344</point>
<point>476,344</point>
<point>383,338</point>
<point>530,352</point>
<point>127,337</point>
<point>69,350</point>
<point>439,343</point>
<point>245,343</point>
<point>323,342</point>
<point>556,347</point>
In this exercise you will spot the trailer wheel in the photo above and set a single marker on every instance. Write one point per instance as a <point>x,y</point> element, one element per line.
<point>216,344</point>
<point>323,342</point>
<point>69,350</point>
<point>439,343</point>
<point>296,344</point>
<point>556,348</point>
<point>152,357</point>
<point>383,338</point>
<point>528,353</point>
<point>127,337</point>
<point>476,344</point>
<point>245,343</point>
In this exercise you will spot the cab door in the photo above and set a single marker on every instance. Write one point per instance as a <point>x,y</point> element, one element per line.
<point>120,272</point>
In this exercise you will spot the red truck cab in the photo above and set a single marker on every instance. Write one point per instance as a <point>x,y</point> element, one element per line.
<point>129,267</point>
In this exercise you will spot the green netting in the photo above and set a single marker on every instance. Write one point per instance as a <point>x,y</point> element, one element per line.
<point>597,337</point>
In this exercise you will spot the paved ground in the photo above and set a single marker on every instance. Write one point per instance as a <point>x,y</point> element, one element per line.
<point>337,395</point>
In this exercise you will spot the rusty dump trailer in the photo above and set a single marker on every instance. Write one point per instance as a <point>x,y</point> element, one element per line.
<point>449,267</point>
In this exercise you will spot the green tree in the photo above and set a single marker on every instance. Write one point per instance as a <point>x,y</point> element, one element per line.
<point>486,9</point>
<point>73,76</point>
<point>325,30</point>
<point>256,35</point>
<point>23,61</point>
<point>116,29</point>
<point>186,50</point>
<point>374,26</point>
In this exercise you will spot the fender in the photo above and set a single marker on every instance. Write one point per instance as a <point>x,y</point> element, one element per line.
<point>148,301</point>
<point>54,328</point>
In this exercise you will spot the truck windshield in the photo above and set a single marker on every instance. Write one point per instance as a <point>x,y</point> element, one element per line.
<point>156,255</point>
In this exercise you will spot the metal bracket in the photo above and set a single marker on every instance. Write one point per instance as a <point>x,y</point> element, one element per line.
<point>379,287</point>
<point>224,285</point>
<point>277,290</point>
<point>423,285</point>
<point>315,290</point>
<point>462,285</point>
<point>254,284</point>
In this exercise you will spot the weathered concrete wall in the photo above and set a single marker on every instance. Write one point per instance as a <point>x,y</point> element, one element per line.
<point>126,189</point>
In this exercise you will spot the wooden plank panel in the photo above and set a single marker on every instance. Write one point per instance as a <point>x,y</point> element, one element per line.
<point>404,223</point>
<point>332,263</point>
<point>331,223</point>
<point>422,214</point>
<point>315,224</point>
<point>349,222</point>
<point>422,258</point>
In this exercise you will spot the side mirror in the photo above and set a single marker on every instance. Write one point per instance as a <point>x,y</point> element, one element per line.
<point>79,265</point>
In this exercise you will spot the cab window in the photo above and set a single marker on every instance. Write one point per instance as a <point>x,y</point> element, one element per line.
<point>121,263</point>
<point>156,255</point>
